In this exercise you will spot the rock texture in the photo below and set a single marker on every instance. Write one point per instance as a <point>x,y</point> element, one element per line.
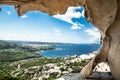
<point>94,76</point>
<point>49,6</point>
<point>104,14</point>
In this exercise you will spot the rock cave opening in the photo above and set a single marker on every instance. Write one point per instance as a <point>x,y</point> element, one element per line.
<point>69,28</point>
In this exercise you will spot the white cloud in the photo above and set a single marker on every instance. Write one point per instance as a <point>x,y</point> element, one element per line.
<point>44,33</point>
<point>56,30</point>
<point>71,13</point>
<point>9,12</point>
<point>24,16</point>
<point>42,36</point>
<point>11,36</point>
<point>94,33</point>
<point>83,13</point>
<point>58,34</point>
<point>76,26</point>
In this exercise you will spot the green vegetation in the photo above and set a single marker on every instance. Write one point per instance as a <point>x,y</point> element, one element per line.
<point>10,78</point>
<point>10,56</point>
<point>82,63</point>
<point>11,52</point>
<point>5,72</point>
<point>29,64</point>
<point>77,66</point>
<point>38,62</point>
<point>41,62</point>
<point>21,62</point>
<point>6,45</point>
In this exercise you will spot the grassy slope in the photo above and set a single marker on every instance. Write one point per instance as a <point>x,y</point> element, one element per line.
<point>11,52</point>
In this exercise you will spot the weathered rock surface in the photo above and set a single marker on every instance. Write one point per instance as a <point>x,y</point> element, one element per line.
<point>94,76</point>
<point>49,6</point>
<point>104,14</point>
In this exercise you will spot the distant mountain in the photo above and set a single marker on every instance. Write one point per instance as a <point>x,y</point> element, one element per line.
<point>48,43</point>
<point>6,45</point>
<point>35,42</point>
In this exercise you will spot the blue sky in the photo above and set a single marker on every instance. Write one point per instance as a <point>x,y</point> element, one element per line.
<point>70,27</point>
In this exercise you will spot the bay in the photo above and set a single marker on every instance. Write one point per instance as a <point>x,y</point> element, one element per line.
<point>70,50</point>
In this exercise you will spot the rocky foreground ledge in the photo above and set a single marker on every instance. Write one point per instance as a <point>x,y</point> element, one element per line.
<point>100,72</point>
<point>95,76</point>
<point>57,69</point>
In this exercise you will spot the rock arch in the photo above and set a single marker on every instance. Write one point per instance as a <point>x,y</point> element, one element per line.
<point>104,14</point>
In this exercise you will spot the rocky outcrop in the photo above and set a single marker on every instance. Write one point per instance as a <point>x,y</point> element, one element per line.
<point>49,6</point>
<point>67,69</point>
<point>104,14</point>
<point>49,70</point>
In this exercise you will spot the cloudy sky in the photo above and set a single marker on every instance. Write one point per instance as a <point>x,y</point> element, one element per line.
<point>70,27</point>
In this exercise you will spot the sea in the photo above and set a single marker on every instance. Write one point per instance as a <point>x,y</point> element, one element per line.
<point>70,50</point>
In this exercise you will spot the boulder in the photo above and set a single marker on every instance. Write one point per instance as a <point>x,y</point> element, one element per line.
<point>54,72</point>
<point>102,67</point>
<point>50,65</point>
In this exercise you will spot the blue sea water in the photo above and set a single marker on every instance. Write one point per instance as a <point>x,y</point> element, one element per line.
<point>70,50</point>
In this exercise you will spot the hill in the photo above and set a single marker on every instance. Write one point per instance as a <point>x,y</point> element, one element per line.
<point>6,45</point>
